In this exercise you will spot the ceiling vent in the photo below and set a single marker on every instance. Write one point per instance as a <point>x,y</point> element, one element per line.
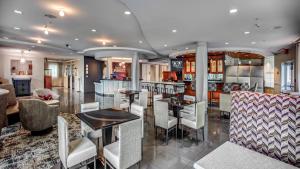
<point>50,16</point>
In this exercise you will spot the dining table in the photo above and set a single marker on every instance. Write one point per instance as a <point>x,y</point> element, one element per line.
<point>130,94</point>
<point>176,104</point>
<point>105,119</point>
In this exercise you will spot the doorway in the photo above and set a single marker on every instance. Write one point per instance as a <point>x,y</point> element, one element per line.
<point>287,76</point>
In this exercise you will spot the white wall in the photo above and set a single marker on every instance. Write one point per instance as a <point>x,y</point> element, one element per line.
<point>37,77</point>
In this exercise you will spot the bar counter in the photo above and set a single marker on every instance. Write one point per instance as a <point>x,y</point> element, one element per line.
<point>108,86</point>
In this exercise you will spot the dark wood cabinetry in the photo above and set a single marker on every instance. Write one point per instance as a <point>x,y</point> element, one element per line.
<point>22,87</point>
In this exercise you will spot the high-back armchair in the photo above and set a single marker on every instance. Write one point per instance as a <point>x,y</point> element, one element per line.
<point>3,105</point>
<point>36,115</point>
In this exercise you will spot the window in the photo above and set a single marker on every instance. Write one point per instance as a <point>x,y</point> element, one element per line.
<point>287,76</point>
<point>269,71</point>
<point>54,69</point>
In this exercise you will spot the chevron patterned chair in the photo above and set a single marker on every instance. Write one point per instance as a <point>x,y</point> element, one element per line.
<point>268,124</point>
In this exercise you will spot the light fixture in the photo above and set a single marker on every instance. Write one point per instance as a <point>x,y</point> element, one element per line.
<point>226,43</point>
<point>127,12</point>
<point>246,32</point>
<point>234,10</point>
<point>18,12</point>
<point>253,43</point>
<point>17,28</point>
<point>140,41</point>
<point>174,30</point>
<point>5,37</point>
<point>76,39</point>
<point>46,30</point>
<point>61,12</point>
<point>104,43</point>
<point>165,45</point>
<point>186,48</point>
<point>22,59</point>
<point>93,30</point>
<point>39,41</point>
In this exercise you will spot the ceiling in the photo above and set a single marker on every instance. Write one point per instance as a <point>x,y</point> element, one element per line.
<point>273,24</point>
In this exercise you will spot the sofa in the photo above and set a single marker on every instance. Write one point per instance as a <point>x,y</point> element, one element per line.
<point>36,115</point>
<point>268,124</point>
<point>12,102</point>
<point>3,105</point>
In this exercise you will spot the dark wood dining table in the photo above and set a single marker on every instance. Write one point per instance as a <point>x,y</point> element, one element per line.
<point>130,94</point>
<point>177,104</point>
<point>105,119</point>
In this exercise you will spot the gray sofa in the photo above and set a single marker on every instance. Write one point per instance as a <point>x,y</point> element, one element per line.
<point>36,115</point>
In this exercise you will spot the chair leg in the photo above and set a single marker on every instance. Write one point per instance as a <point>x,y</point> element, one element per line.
<point>94,162</point>
<point>182,132</point>
<point>167,131</point>
<point>203,134</point>
<point>197,140</point>
<point>176,130</point>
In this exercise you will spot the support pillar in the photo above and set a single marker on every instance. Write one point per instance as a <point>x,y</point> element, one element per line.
<point>297,66</point>
<point>108,68</point>
<point>201,72</point>
<point>135,72</point>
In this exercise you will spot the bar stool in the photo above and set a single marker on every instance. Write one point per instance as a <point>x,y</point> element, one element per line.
<point>170,89</point>
<point>212,87</point>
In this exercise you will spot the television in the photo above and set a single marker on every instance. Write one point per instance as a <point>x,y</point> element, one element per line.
<point>176,65</point>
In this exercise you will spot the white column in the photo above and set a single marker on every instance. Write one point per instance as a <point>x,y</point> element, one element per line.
<point>169,63</point>
<point>135,72</point>
<point>201,72</point>
<point>108,67</point>
<point>297,65</point>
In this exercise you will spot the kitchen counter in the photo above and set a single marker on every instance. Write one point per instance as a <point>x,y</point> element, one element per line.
<point>108,86</point>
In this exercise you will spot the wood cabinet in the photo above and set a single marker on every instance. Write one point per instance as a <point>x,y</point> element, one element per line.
<point>216,64</point>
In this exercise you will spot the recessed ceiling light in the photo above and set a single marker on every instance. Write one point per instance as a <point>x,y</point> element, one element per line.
<point>226,43</point>
<point>33,46</point>
<point>93,30</point>
<point>39,41</point>
<point>246,32</point>
<point>61,12</point>
<point>127,12</point>
<point>140,41</point>
<point>46,32</point>
<point>18,12</point>
<point>17,28</point>
<point>76,39</point>
<point>174,30</point>
<point>234,10</point>
<point>165,45</point>
<point>186,48</point>
<point>5,37</point>
<point>253,43</point>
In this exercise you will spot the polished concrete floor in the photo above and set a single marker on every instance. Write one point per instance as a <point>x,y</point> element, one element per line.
<point>178,154</point>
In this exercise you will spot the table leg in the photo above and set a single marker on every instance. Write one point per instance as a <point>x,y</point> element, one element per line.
<point>107,136</point>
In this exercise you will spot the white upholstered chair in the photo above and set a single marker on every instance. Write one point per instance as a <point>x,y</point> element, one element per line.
<point>127,150</point>
<point>139,111</point>
<point>163,119</point>
<point>75,152</point>
<point>188,110</point>
<point>86,130</point>
<point>195,122</point>
<point>143,98</point>
<point>120,101</point>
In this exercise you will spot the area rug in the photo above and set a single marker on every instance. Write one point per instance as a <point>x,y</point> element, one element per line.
<point>23,151</point>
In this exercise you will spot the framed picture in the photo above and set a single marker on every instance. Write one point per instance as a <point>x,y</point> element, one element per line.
<point>187,66</point>
<point>193,67</point>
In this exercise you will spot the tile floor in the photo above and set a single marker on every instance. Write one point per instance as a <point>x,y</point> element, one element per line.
<point>177,154</point>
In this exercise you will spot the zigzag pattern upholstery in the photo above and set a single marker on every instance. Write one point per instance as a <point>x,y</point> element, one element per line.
<point>269,124</point>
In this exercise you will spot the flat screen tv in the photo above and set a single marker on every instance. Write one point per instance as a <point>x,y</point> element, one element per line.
<point>176,65</point>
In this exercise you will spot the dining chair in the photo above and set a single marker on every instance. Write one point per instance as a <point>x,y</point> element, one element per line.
<point>188,110</point>
<point>195,122</point>
<point>127,151</point>
<point>86,130</point>
<point>119,101</point>
<point>74,152</point>
<point>163,119</point>
<point>143,98</point>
